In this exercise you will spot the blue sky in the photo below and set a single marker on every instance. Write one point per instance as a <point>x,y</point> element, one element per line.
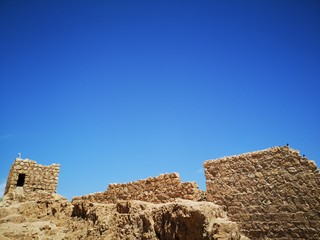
<point>117,91</point>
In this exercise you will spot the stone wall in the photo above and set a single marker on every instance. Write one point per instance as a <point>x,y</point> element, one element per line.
<point>161,189</point>
<point>27,180</point>
<point>274,193</point>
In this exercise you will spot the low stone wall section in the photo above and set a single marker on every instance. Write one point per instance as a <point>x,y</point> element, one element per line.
<point>272,194</point>
<point>160,189</point>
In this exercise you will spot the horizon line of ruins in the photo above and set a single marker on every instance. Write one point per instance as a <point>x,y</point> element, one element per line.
<point>273,192</point>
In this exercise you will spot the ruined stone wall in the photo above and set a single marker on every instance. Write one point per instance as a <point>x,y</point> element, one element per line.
<point>274,193</point>
<point>29,179</point>
<point>161,189</point>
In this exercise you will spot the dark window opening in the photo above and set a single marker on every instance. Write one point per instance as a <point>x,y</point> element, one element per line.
<point>20,181</point>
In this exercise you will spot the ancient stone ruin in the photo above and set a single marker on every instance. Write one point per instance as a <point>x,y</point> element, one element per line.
<point>28,180</point>
<point>161,189</point>
<point>270,194</point>
<point>274,193</point>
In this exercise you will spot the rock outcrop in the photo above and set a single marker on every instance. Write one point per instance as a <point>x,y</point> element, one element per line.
<point>57,218</point>
<point>46,218</point>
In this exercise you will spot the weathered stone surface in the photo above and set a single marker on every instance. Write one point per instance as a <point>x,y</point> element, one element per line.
<point>272,193</point>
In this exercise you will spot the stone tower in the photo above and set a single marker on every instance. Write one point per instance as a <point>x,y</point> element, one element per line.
<point>28,180</point>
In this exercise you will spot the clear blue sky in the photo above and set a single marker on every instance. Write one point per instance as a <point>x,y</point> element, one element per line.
<point>117,91</point>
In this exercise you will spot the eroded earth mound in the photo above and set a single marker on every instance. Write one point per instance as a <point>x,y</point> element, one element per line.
<point>57,218</point>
